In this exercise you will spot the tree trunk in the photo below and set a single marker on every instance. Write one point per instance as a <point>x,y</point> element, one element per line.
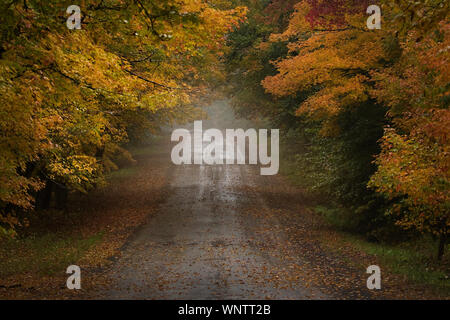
<point>44,196</point>
<point>442,243</point>
<point>61,194</point>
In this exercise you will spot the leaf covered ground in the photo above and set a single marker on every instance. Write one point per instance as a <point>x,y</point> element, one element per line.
<point>89,234</point>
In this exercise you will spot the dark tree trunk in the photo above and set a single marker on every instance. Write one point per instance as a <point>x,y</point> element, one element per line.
<point>442,243</point>
<point>61,194</point>
<point>44,196</point>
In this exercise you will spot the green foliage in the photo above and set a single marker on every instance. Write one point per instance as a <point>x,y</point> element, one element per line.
<point>45,254</point>
<point>412,259</point>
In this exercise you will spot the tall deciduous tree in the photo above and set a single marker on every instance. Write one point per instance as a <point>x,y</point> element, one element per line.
<point>70,99</point>
<point>403,66</point>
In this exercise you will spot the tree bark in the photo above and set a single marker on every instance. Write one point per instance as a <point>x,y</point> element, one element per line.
<point>60,197</point>
<point>442,243</point>
<point>44,196</point>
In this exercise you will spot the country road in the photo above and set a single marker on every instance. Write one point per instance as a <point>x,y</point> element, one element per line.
<point>169,231</point>
<point>218,235</point>
<point>227,232</point>
<point>225,150</point>
<point>202,245</point>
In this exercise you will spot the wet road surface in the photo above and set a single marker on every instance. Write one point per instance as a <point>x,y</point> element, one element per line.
<point>204,244</point>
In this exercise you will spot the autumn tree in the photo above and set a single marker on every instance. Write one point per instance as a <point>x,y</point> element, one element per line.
<point>249,59</point>
<point>71,99</point>
<point>343,68</point>
<point>415,161</point>
<point>326,72</point>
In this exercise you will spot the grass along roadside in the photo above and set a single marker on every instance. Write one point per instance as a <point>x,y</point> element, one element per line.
<point>43,255</point>
<point>414,260</point>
